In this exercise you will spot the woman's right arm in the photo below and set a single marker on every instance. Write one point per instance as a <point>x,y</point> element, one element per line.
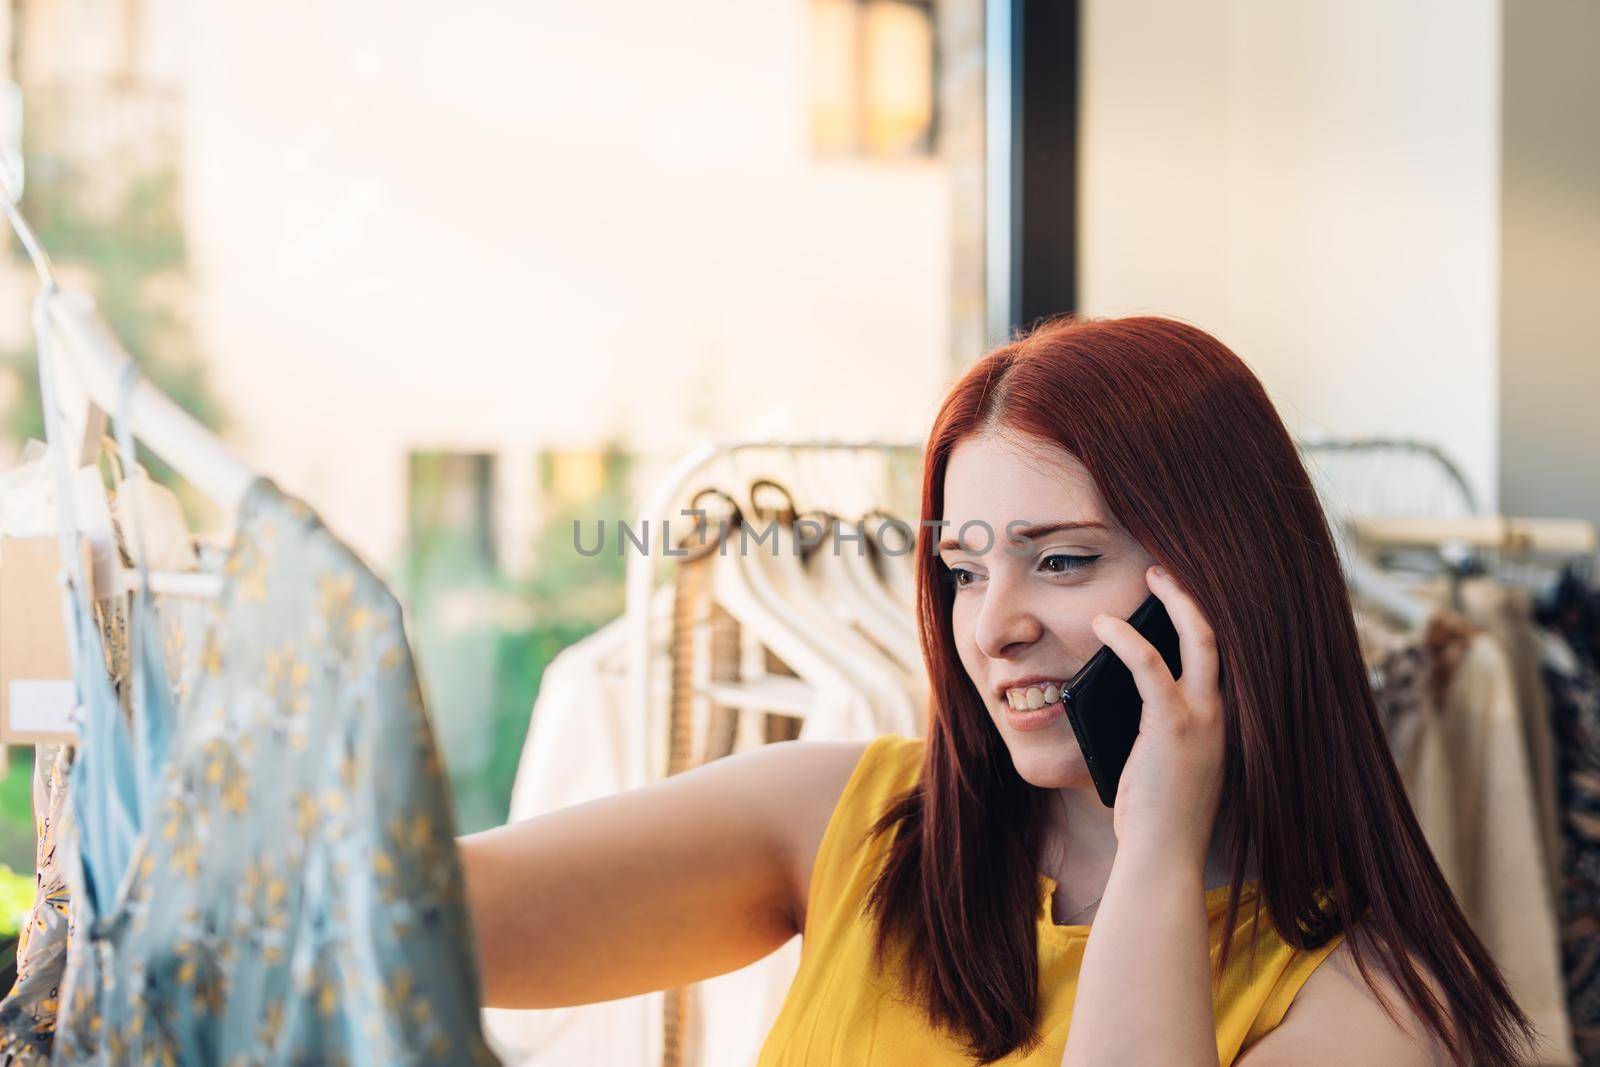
<point>657,887</point>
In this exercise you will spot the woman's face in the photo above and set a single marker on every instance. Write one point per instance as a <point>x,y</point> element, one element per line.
<point>1023,607</point>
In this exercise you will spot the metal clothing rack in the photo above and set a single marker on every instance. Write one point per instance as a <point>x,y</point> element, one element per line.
<point>661,504</point>
<point>1389,449</point>
<point>1410,500</point>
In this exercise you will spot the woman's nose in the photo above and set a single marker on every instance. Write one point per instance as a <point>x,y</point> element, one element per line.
<point>1006,623</point>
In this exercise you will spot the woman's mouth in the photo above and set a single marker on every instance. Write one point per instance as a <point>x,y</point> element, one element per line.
<point>1033,706</point>
<point>1034,697</point>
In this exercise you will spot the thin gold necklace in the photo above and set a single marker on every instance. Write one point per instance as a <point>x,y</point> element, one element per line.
<point>1067,918</point>
<point>1074,914</point>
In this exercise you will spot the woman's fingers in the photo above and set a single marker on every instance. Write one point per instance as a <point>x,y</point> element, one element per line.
<point>1157,688</point>
<point>1172,782</point>
<point>1197,689</point>
<point>1197,642</point>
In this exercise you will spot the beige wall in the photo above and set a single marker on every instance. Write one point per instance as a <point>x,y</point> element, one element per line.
<point>1550,255</point>
<point>1318,184</point>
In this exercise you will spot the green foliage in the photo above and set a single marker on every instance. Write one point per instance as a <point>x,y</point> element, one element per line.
<point>16,812</point>
<point>16,899</point>
<point>483,640</point>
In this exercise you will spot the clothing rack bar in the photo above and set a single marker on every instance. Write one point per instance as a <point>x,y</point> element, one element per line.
<point>1560,537</point>
<point>97,363</point>
<point>181,583</point>
<point>1405,445</point>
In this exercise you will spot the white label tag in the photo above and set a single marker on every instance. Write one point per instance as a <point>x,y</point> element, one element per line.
<point>42,706</point>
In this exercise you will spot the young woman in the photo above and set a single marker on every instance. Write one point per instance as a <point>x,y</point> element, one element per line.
<point>1260,894</point>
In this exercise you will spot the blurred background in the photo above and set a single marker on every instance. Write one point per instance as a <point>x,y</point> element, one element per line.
<point>459,274</point>
<point>457,277</point>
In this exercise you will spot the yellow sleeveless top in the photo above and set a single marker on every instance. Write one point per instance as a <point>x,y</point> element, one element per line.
<point>841,1012</point>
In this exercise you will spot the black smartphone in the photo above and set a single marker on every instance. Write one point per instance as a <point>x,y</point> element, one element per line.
<point>1103,703</point>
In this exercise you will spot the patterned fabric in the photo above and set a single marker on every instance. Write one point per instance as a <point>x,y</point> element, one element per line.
<point>28,1013</point>
<point>295,895</point>
<point>1570,651</point>
<point>1400,671</point>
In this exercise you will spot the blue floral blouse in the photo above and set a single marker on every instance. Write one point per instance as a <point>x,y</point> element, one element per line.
<point>293,894</point>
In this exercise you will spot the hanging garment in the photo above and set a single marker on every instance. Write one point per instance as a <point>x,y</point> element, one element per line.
<point>718,1022</point>
<point>295,894</point>
<point>1575,704</point>
<point>1569,645</point>
<point>28,1004</point>
<point>842,1011</point>
<point>1506,611</point>
<point>1400,669</point>
<point>573,753</point>
<point>28,1012</point>
<point>1472,791</point>
<point>1449,698</point>
<point>690,598</point>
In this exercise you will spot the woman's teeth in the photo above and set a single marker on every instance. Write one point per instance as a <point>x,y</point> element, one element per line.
<point>1033,697</point>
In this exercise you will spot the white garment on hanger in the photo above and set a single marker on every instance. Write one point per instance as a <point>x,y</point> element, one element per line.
<point>569,757</point>
<point>779,576</point>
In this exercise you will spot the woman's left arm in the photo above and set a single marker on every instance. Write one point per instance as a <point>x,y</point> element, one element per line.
<point>1144,990</point>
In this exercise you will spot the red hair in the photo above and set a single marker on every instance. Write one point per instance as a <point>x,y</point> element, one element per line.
<point>1192,459</point>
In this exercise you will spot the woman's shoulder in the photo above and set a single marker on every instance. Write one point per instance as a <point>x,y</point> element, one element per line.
<point>833,787</point>
<point>826,776</point>
<point>883,768</point>
<point>828,773</point>
<point>1337,1015</point>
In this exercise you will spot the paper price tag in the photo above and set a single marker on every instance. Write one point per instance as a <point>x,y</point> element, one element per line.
<point>41,706</point>
<point>37,693</point>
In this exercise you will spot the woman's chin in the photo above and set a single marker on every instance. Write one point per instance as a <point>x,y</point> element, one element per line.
<point>1056,763</point>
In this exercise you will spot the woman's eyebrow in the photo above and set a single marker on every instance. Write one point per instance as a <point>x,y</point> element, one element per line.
<point>1030,533</point>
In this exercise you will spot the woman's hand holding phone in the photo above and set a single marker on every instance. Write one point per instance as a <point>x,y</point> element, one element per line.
<point>1171,787</point>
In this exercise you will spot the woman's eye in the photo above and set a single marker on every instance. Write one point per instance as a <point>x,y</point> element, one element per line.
<point>1067,563</point>
<point>957,576</point>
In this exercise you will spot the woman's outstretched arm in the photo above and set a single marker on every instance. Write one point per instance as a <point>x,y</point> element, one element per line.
<point>663,885</point>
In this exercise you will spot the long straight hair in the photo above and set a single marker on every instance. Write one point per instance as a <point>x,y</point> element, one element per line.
<point>1192,459</point>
